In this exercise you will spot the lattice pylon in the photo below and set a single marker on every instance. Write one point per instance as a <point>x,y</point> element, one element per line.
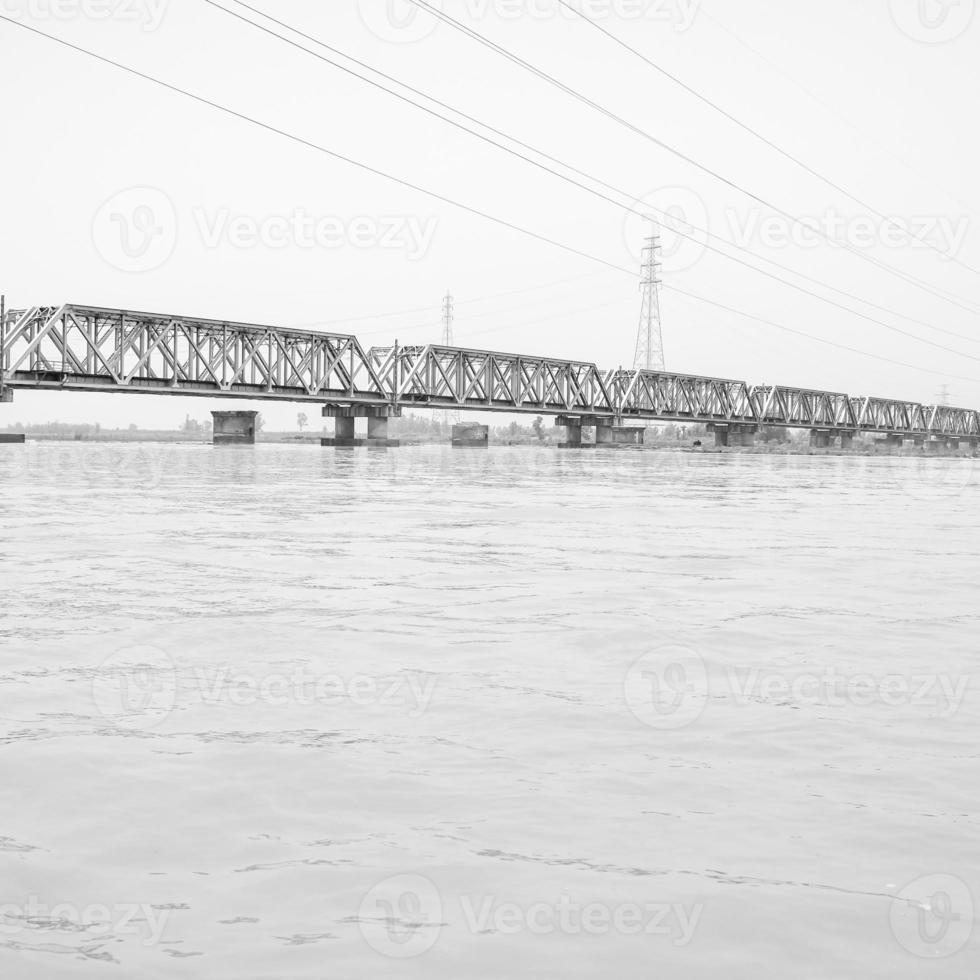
<point>447,417</point>
<point>649,338</point>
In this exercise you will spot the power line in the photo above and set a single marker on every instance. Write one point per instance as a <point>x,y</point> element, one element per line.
<point>505,326</point>
<point>319,148</point>
<point>433,309</point>
<point>826,106</point>
<point>358,319</point>
<point>528,289</point>
<point>298,139</point>
<point>545,319</point>
<point>485,313</point>
<point>764,139</point>
<point>551,80</point>
<point>543,154</point>
<point>571,180</point>
<point>810,336</point>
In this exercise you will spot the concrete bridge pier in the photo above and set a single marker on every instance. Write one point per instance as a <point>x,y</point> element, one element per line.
<point>343,430</point>
<point>572,424</point>
<point>733,433</point>
<point>607,433</point>
<point>892,441</point>
<point>936,445</point>
<point>233,428</point>
<point>573,432</point>
<point>847,440</point>
<point>953,445</point>
<point>16,438</point>
<point>820,438</point>
<point>345,419</point>
<point>471,435</point>
<point>628,435</point>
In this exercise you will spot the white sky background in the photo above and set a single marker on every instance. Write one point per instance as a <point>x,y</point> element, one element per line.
<point>889,117</point>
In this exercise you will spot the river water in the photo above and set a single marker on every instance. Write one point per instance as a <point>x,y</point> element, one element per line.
<point>283,712</point>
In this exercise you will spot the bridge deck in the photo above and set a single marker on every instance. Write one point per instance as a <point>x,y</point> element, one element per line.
<point>87,348</point>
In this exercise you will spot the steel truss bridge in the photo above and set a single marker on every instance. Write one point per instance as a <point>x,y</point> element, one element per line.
<point>86,348</point>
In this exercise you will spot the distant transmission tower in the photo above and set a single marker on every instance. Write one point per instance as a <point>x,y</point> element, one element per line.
<point>447,320</point>
<point>943,397</point>
<point>447,418</point>
<point>649,338</point>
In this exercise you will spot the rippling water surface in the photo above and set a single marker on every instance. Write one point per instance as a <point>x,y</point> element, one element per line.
<point>281,712</point>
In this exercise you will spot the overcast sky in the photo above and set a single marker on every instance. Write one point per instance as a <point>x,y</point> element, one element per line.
<point>116,192</point>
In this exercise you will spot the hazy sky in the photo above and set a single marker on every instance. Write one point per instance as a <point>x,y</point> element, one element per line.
<point>116,192</point>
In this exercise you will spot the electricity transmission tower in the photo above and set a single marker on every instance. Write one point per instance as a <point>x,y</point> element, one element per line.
<point>943,397</point>
<point>649,338</point>
<point>447,418</point>
<point>447,320</point>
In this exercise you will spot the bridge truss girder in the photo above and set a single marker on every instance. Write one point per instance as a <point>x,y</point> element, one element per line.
<point>460,378</point>
<point>86,348</point>
<point>95,349</point>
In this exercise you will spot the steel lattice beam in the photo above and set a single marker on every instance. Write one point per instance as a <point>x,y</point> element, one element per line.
<point>86,348</point>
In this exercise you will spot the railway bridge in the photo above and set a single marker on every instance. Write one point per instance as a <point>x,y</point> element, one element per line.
<point>87,348</point>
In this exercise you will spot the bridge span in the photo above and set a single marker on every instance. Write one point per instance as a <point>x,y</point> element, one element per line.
<point>88,348</point>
